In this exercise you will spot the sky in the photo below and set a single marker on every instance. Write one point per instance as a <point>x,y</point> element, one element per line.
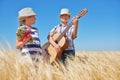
<point>99,29</point>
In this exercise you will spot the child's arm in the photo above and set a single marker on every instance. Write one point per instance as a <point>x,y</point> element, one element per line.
<point>51,40</point>
<point>58,48</point>
<point>20,44</point>
<point>75,29</point>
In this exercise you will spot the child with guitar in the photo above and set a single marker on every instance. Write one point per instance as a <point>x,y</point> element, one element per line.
<point>27,19</point>
<point>71,34</point>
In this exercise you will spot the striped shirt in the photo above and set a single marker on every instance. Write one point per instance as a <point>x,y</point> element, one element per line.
<point>59,29</point>
<point>35,46</point>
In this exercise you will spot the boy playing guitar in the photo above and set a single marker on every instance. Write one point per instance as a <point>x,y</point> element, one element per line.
<point>61,37</point>
<point>70,34</point>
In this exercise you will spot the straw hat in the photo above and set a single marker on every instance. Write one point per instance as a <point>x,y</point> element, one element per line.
<point>65,11</point>
<point>25,12</point>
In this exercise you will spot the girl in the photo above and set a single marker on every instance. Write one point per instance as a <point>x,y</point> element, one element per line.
<point>71,34</point>
<point>27,18</point>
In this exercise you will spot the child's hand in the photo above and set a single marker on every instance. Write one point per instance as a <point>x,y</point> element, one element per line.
<point>58,48</point>
<point>20,44</point>
<point>75,21</point>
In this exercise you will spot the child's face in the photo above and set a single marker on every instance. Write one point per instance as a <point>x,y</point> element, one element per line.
<point>64,18</point>
<point>30,19</point>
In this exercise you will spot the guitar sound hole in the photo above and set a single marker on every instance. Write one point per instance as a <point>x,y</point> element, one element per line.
<point>56,42</point>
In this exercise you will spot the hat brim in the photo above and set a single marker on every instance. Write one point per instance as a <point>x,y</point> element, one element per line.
<point>64,14</point>
<point>22,17</point>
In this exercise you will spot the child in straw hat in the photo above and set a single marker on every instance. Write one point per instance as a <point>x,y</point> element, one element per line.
<point>71,34</point>
<point>30,42</point>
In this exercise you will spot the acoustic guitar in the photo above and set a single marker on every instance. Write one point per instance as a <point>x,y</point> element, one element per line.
<point>60,39</point>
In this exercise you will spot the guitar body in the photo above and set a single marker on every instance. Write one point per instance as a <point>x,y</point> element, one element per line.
<point>47,48</point>
<point>63,43</point>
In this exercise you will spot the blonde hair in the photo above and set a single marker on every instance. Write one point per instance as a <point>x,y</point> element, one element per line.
<point>21,21</point>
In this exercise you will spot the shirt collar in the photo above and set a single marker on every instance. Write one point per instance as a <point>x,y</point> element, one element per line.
<point>61,24</point>
<point>27,27</point>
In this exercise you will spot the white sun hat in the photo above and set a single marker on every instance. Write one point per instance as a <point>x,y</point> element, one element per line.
<point>65,11</point>
<point>25,12</point>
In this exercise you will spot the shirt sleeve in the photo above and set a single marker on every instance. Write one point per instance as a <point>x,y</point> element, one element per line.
<point>71,31</point>
<point>37,31</point>
<point>54,30</point>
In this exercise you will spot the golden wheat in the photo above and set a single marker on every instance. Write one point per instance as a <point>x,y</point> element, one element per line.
<point>94,65</point>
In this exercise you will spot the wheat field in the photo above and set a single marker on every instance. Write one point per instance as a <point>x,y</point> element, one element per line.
<point>87,65</point>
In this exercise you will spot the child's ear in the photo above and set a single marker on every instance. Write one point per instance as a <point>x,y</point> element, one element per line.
<point>48,37</point>
<point>59,16</point>
<point>69,17</point>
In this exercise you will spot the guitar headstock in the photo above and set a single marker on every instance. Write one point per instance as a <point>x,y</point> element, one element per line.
<point>82,13</point>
